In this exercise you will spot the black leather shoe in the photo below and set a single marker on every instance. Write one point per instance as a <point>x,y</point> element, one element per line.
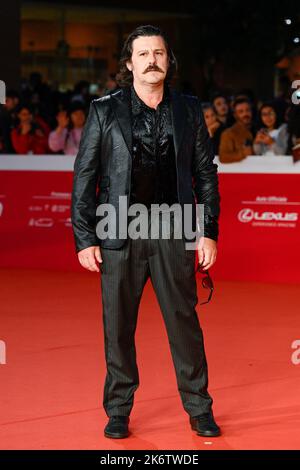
<point>117,427</point>
<point>205,425</point>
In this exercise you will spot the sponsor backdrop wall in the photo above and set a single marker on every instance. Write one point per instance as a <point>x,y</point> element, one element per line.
<point>259,223</point>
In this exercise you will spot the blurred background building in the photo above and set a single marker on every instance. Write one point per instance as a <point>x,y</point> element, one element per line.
<point>226,45</point>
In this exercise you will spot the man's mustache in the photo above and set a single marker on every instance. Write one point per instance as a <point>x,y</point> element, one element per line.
<point>153,68</point>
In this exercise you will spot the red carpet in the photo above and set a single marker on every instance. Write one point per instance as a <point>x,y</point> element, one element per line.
<point>51,385</point>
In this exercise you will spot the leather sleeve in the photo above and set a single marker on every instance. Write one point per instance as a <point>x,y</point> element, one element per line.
<point>85,178</point>
<point>205,176</point>
<point>228,151</point>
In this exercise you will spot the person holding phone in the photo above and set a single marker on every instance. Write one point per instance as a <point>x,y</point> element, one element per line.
<point>66,137</point>
<point>272,137</point>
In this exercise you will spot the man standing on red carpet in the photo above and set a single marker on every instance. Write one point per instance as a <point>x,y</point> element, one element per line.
<point>148,143</point>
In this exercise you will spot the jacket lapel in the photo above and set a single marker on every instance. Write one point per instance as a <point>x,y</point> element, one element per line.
<point>121,107</point>
<point>178,113</point>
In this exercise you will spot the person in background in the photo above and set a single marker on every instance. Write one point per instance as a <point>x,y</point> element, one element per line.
<point>248,94</point>
<point>236,141</point>
<point>31,134</point>
<point>8,120</point>
<point>37,92</point>
<point>214,126</point>
<point>222,110</point>
<point>294,131</point>
<point>110,84</point>
<point>272,137</point>
<point>81,92</point>
<point>283,100</point>
<point>12,101</point>
<point>66,137</point>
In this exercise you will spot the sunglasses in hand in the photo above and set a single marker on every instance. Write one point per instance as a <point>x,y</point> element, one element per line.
<point>207,282</point>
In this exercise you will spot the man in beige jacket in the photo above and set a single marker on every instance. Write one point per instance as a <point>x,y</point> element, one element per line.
<point>236,141</point>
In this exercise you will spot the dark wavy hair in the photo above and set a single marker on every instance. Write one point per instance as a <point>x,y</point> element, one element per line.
<point>270,104</point>
<point>125,77</point>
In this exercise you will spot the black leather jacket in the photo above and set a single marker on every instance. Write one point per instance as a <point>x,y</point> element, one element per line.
<point>102,169</point>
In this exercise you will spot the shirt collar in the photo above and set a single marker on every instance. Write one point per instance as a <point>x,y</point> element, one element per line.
<point>138,104</point>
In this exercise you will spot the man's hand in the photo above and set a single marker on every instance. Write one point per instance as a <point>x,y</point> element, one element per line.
<point>207,252</point>
<point>259,139</point>
<point>89,257</point>
<point>62,120</point>
<point>267,139</point>
<point>247,150</point>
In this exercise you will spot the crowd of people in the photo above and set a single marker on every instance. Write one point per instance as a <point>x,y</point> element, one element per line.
<point>41,120</point>
<point>239,129</point>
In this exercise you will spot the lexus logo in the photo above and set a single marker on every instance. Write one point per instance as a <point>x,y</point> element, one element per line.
<point>246,215</point>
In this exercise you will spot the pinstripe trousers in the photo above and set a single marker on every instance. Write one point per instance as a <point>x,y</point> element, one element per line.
<point>171,268</point>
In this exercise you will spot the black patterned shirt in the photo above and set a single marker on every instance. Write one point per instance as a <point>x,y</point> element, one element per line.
<point>154,178</point>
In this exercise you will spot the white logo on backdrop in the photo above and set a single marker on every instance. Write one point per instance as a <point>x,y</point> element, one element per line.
<point>280,217</point>
<point>247,215</point>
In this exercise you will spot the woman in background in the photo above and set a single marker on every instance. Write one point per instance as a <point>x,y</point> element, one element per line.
<point>272,137</point>
<point>214,126</point>
<point>66,137</point>
<point>30,136</point>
